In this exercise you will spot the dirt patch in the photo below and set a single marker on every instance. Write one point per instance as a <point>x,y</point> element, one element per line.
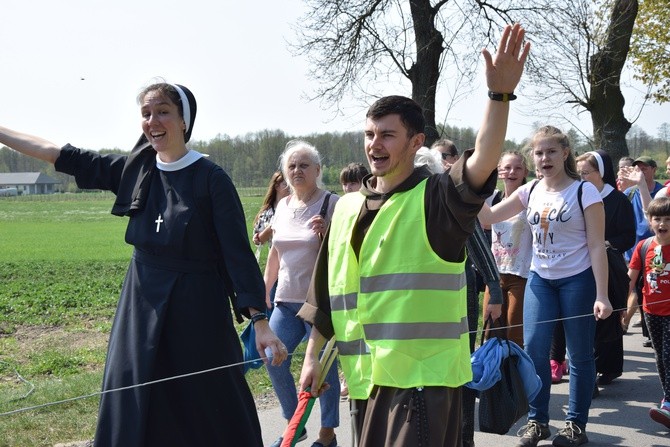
<point>266,401</point>
<point>30,339</point>
<point>75,338</point>
<point>76,444</point>
<point>19,348</point>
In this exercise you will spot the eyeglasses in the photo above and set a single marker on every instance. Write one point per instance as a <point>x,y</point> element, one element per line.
<point>445,155</point>
<point>585,173</point>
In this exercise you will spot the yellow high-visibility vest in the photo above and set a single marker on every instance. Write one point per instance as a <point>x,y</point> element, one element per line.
<point>399,310</point>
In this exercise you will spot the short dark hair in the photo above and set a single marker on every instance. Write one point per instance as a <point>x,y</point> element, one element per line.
<point>659,207</point>
<point>353,173</point>
<point>443,142</point>
<point>410,112</point>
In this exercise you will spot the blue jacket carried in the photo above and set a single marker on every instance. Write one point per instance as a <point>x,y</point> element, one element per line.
<point>486,363</point>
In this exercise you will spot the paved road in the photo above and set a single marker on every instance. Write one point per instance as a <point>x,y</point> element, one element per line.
<point>618,417</point>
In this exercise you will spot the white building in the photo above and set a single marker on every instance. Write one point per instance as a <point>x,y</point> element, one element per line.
<point>28,182</point>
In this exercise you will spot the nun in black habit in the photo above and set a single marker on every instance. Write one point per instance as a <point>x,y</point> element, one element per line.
<point>192,254</point>
<point>597,167</point>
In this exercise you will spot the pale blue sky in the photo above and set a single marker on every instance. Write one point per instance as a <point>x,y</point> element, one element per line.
<point>232,54</point>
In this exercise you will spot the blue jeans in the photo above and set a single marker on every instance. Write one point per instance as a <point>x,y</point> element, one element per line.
<point>291,330</point>
<point>545,301</point>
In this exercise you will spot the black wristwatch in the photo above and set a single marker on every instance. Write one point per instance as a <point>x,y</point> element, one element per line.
<point>503,97</point>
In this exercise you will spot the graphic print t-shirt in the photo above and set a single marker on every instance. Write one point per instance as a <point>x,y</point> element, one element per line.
<point>558,228</point>
<point>656,290</point>
<point>511,245</point>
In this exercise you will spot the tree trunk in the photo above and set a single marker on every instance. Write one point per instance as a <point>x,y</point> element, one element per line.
<point>606,100</point>
<point>425,72</point>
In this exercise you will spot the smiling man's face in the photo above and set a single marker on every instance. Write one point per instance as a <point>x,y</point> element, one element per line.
<point>389,149</point>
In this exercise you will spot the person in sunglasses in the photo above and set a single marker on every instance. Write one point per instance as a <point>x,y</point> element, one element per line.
<point>448,151</point>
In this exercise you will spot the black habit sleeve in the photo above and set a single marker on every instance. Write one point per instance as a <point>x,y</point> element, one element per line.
<point>90,169</point>
<point>619,221</point>
<point>231,230</point>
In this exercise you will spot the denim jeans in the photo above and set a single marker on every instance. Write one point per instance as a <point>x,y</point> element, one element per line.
<point>545,301</point>
<point>291,330</point>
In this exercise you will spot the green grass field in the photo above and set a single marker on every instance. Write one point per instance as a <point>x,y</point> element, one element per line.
<point>62,262</point>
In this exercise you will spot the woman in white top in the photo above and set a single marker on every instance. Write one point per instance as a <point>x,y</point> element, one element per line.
<point>299,223</point>
<point>511,245</point>
<point>567,280</point>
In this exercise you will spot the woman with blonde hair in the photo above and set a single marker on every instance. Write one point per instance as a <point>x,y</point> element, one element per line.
<point>511,246</point>
<point>567,279</point>
<point>300,221</point>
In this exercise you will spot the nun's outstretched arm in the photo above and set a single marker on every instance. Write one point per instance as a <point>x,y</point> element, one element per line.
<point>30,145</point>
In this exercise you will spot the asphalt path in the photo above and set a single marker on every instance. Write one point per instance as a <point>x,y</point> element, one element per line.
<point>618,417</point>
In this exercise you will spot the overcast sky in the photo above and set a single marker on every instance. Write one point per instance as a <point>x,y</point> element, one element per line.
<point>70,71</point>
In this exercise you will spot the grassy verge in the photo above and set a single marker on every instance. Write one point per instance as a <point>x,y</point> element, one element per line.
<point>62,263</point>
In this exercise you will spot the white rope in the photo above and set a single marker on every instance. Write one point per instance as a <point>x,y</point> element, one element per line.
<point>181,376</point>
<point>100,393</point>
<point>22,379</point>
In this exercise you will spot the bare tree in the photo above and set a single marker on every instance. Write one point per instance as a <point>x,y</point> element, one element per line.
<point>355,45</point>
<point>580,51</point>
<point>664,138</point>
<point>606,100</point>
<point>581,48</point>
<point>639,141</point>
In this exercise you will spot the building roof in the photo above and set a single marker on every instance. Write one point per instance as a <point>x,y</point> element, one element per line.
<point>26,178</point>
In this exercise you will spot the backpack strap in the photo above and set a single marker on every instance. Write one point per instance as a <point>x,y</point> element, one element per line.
<point>324,206</point>
<point>203,203</point>
<point>532,187</point>
<point>324,210</point>
<point>497,197</point>
<point>642,253</point>
<point>579,195</point>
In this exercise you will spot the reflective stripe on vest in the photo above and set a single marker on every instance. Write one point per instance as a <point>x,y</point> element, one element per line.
<point>410,331</point>
<point>399,316</point>
<point>344,302</point>
<point>412,281</point>
<point>354,347</point>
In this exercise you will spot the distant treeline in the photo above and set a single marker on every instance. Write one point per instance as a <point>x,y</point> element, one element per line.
<point>251,159</point>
